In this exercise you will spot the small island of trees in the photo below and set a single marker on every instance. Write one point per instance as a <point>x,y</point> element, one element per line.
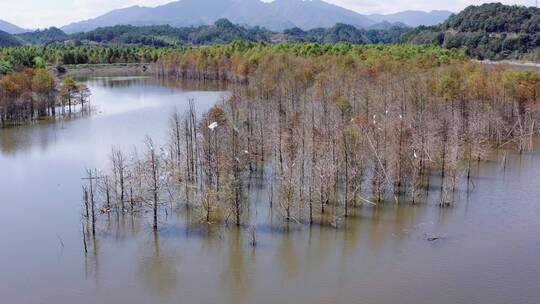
<point>32,94</point>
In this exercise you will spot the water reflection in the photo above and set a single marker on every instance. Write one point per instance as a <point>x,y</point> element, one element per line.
<point>129,81</point>
<point>158,270</point>
<point>91,254</point>
<point>386,243</point>
<point>235,277</point>
<point>287,257</point>
<point>39,135</point>
<point>132,104</point>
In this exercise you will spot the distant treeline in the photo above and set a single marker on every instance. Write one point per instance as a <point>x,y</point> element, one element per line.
<point>39,57</point>
<point>221,32</point>
<point>490,31</point>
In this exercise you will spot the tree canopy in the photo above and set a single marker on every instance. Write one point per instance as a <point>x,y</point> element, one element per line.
<point>8,40</point>
<point>221,32</point>
<point>489,31</point>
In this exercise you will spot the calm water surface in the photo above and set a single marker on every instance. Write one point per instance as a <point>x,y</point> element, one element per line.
<point>488,252</point>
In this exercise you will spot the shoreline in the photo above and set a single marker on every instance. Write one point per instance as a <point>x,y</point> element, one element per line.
<point>148,68</point>
<point>82,69</point>
<point>527,65</point>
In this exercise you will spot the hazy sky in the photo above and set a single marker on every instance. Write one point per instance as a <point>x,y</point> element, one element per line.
<point>45,13</point>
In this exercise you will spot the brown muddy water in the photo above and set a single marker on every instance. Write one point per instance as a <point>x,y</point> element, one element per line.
<point>488,249</point>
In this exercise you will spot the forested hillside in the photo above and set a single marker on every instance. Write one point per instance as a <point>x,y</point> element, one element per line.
<point>7,40</point>
<point>41,37</point>
<point>10,28</point>
<point>221,32</point>
<point>346,33</point>
<point>490,31</point>
<point>496,18</point>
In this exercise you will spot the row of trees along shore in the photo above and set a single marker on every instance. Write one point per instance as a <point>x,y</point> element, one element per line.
<point>325,127</point>
<point>31,94</point>
<point>54,55</point>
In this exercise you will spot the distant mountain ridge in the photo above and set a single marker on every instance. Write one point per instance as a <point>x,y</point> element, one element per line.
<point>414,18</point>
<point>276,15</point>
<point>8,40</point>
<point>221,32</point>
<point>10,28</point>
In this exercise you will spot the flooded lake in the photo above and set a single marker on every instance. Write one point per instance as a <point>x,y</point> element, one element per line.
<point>484,249</point>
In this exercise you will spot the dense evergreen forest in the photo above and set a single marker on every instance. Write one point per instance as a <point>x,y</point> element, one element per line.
<point>490,31</point>
<point>38,57</point>
<point>346,33</point>
<point>221,32</point>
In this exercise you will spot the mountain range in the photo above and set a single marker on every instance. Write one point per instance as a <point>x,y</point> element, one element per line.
<point>11,28</point>
<point>413,18</point>
<point>8,40</point>
<point>276,15</point>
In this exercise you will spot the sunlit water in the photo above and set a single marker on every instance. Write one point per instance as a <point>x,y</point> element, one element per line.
<point>488,251</point>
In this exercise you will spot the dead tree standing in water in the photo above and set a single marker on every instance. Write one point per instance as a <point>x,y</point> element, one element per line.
<point>91,177</point>
<point>120,167</point>
<point>153,167</point>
